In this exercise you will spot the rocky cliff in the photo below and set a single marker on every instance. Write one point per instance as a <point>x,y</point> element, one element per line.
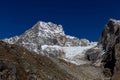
<point>110,42</point>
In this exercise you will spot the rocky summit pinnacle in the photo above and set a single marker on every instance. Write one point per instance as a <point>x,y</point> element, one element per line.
<point>48,29</point>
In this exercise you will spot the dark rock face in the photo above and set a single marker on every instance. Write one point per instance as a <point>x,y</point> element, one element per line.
<point>93,54</point>
<point>17,63</point>
<point>110,40</point>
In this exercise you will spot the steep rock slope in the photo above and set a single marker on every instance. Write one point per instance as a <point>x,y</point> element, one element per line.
<point>17,63</point>
<point>110,42</point>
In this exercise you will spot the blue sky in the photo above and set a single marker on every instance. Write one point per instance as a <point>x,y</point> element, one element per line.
<point>80,18</point>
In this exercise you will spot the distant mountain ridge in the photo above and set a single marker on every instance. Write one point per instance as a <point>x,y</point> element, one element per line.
<point>43,33</point>
<point>57,43</point>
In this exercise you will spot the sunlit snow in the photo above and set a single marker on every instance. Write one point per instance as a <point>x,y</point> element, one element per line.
<point>72,52</point>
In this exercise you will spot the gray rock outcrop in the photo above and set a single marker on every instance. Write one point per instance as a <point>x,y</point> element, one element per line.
<point>110,40</point>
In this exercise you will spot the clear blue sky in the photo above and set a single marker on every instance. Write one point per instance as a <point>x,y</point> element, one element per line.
<point>80,18</point>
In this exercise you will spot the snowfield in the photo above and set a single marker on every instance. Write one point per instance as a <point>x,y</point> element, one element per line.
<point>74,55</point>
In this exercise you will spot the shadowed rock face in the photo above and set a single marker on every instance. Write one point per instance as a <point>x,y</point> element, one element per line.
<point>93,54</point>
<point>17,63</point>
<point>110,41</point>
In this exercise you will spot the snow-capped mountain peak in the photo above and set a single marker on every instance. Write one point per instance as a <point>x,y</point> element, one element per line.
<point>47,29</point>
<point>50,34</point>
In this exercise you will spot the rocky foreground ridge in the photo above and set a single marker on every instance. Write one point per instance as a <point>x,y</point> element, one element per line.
<point>17,63</point>
<point>59,56</point>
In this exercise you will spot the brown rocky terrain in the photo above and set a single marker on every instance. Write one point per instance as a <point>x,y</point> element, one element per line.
<point>17,63</point>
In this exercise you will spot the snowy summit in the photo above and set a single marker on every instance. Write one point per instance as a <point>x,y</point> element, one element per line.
<point>51,40</point>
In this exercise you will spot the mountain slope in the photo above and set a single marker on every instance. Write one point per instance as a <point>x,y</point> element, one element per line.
<point>72,58</point>
<point>43,33</point>
<point>17,63</point>
<point>58,43</point>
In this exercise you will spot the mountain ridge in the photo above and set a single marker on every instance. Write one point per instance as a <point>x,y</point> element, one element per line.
<point>79,54</point>
<point>55,31</point>
<point>50,34</point>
